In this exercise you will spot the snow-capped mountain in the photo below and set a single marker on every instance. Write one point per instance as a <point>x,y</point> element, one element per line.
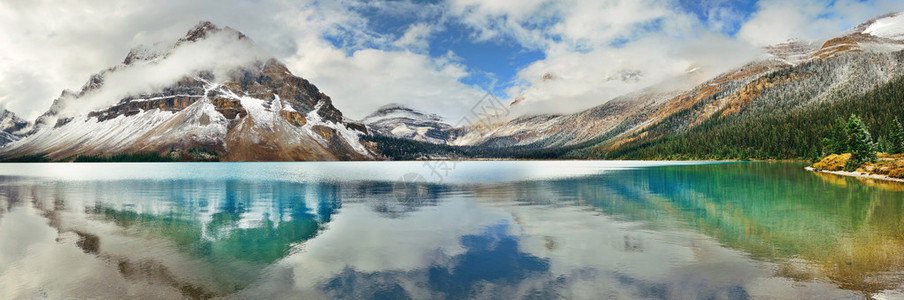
<point>795,74</point>
<point>212,91</point>
<point>402,122</point>
<point>10,127</point>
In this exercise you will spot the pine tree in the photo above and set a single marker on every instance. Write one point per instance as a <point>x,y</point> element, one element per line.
<point>882,145</point>
<point>836,142</point>
<point>896,142</point>
<point>860,143</point>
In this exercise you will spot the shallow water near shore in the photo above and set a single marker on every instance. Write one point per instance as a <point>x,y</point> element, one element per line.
<point>478,229</point>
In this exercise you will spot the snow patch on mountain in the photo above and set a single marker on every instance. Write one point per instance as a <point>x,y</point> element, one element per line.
<point>197,124</point>
<point>891,27</point>
<point>83,134</point>
<point>351,137</point>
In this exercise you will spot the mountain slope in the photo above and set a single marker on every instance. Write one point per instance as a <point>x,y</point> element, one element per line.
<point>785,113</point>
<point>792,76</point>
<point>212,92</point>
<point>611,119</point>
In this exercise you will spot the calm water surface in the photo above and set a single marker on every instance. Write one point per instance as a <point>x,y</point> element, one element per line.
<point>447,230</point>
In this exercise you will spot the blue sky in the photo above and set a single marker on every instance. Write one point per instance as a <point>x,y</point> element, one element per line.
<point>494,63</point>
<point>732,13</point>
<point>439,56</point>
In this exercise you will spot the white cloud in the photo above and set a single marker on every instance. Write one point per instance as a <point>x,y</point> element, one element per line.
<point>503,19</point>
<point>363,79</point>
<point>218,53</point>
<point>593,23</point>
<point>588,43</point>
<point>62,43</point>
<point>51,46</point>
<point>597,50</point>
<point>415,37</point>
<point>377,77</point>
<point>578,80</point>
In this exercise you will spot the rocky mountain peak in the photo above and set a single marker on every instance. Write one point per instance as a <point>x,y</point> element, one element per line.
<point>205,29</point>
<point>200,31</point>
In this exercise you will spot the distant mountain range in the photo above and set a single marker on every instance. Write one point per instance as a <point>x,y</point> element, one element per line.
<point>778,106</point>
<point>405,123</point>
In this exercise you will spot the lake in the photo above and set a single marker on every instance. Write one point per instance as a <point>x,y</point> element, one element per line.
<point>437,230</point>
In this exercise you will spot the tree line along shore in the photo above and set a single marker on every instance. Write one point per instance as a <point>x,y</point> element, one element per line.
<point>853,151</point>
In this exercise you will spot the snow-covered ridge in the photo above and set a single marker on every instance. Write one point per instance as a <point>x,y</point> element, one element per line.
<point>891,27</point>
<point>167,97</point>
<point>395,111</point>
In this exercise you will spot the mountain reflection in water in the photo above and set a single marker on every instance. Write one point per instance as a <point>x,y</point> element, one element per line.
<point>728,231</point>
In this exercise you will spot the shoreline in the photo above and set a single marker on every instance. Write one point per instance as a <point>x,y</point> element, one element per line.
<point>856,175</point>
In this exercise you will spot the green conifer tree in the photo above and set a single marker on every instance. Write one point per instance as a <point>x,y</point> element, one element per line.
<point>896,142</point>
<point>836,142</point>
<point>860,143</point>
<point>882,145</point>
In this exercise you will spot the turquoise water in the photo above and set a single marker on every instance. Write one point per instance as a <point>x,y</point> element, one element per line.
<point>391,230</point>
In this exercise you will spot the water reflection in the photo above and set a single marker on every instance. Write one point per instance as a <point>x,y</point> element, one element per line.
<point>727,231</point>
<point>814,226</point>
<point>229,230</point>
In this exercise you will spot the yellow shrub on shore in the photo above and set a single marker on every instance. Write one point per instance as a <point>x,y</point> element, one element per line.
<point>834,162</point>
<point>889,165</point>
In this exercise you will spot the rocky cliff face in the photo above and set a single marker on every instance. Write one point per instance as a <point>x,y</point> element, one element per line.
<point>238,110</point>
